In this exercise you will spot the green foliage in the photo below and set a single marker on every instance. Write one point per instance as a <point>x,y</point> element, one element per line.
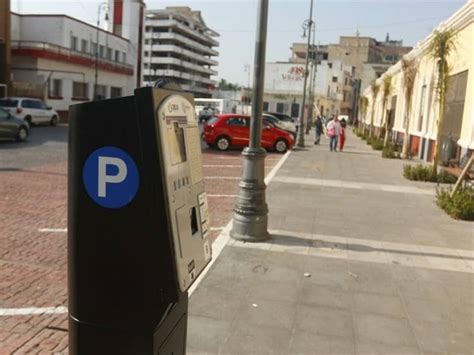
<point>377,144</point>
<point>460,206</point>
<point>422,172</point>
<point>391,151</point>
<point>225,85</point>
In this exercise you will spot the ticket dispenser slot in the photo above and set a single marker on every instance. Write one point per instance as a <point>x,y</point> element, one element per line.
<point>138,222</point>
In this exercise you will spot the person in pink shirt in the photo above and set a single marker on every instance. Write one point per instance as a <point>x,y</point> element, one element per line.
<point>333,131</point>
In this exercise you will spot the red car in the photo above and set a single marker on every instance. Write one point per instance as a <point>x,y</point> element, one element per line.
<point>224,131</point>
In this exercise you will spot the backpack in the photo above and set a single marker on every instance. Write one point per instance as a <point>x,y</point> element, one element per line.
<point>331,131</point>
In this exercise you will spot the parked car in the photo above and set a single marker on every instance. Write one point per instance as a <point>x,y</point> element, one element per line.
<point>284,125</point>
<point>232,130</point>
<point>12,127</point>
<point>282,117</point>
<point>31,110</point>
<point>206,113</point>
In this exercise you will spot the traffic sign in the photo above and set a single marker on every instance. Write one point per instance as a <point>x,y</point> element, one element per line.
<point>110,177</point>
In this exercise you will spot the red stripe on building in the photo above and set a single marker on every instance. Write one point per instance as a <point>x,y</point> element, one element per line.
<point>118,12</point>
<point>71,59</point>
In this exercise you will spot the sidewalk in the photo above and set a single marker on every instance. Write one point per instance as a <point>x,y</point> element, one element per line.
<point>360,261</point>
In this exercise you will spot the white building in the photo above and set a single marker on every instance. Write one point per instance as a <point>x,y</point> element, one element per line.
<point>58,52</point>
<point>284,87</point>
<point>181,48</point>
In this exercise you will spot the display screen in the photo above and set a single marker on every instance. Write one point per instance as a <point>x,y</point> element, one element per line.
<point>176,144</point>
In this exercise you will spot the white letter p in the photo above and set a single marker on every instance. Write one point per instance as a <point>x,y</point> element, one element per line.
<point>113,179</point>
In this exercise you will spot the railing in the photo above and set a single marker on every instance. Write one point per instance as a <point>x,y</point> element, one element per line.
<point>54,48</point>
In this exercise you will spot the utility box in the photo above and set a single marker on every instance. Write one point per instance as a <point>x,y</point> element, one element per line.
<point>138,222</point>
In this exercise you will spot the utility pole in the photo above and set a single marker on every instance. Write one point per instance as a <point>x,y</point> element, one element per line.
<point>312,80</point>
<point>105,6</point>
<point>251,210</point>
<point>307,25</point>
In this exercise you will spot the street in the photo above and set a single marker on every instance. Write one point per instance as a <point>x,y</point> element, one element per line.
<point>33,253</point>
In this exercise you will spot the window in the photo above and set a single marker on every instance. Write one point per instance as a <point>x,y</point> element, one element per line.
<point>84,46</point>
<point>79,90</point>
<point>124,57</point>
<point>55,88</point>
<point>93,48</point>
<point>4,114</point>
<point>101,92</point>
<point>115,92</point>
<point>109,53</point>
<point>8,103</point>
<point>295,110</point>
<point>345,81</point>
<point>422,106</point>
<point>236,121</point>
<point>74,43</point>
<point>101,51</point>
<point>265,106</point>
<point>334,79</point>
<point>117,56</point>
<point>280,107</point>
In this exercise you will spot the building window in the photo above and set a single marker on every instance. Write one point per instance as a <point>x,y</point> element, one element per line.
<point>74,43</point>
<point>117,56</point>
<point>265,106</point>
<point>115,92</point>
<point>280,107</point>
<point>109,53</point>
<point>101,51</point>
<point>93,48</point>
<point>124,57</point>
<point>345,81</point>
<point>295,110</point>
<point>422,105</point>
<point>55,88</point>
<point>83,46</point>
<point>79,90</point>
<point>334,79</point>
<point>101,92</point>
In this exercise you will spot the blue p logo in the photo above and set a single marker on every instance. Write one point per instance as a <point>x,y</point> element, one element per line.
<point>110,177</point>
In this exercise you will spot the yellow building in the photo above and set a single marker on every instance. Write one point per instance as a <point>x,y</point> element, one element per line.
<point>458,119</point>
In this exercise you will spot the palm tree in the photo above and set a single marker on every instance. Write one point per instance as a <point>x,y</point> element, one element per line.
<point>386,91</point>
<point>441,46</point>
<point>375,90</point>
<point>409,69</point>
<point>363,103</point>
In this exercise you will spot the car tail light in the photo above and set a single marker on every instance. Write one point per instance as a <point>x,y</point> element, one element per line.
<point>19,110</point>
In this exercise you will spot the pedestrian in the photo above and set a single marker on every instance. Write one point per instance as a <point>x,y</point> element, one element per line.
<point>342,135</point>
<point>318,124</point>
<point>333,132</point>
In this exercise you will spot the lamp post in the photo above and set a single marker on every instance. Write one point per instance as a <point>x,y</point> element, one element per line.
<point>307,25</point>
<point>250,210</point>
<point>105,7</point>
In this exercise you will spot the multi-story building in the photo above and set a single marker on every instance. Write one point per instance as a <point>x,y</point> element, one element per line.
<point>457,129</point>
<point>179,46</point>
<point>60,59</point>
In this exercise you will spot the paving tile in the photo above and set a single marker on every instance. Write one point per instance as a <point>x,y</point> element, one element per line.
<point>308,343</point>
<point>378,304</point>
<point>316,295</point>
<point>324,320</point>
<point>206,334</point>
<point>383,329</point>
<point>275,291</point>
<point>364,347</point>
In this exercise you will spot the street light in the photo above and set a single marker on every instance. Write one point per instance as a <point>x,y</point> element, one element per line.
<point>102,6</point>
<point>307,25</point>
<point>250,210</point>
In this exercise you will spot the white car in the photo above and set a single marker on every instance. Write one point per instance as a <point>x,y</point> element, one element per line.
<point>31,110</point>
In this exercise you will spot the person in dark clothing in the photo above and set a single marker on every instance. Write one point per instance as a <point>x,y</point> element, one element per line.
<point>318,123</point>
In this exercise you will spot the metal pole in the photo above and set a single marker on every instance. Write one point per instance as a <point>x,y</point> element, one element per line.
<point>302,119</point>
<point>250,210</point>
<point>314,66</point>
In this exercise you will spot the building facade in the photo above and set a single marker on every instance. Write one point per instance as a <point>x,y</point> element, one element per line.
<point>54,58</point>
<point>179,46</point>
<point>458,118</point>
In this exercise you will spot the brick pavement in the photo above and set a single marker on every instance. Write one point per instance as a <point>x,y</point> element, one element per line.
<point>33,264</point>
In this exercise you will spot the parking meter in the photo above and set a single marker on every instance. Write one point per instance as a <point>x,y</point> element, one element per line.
<point>138,222</point>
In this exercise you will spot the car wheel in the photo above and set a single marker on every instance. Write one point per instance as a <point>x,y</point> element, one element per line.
<point>222,143</point>
<point>281,146</point>
<point>29,120</point>
<point>54,121</point>
<point>22,134</point>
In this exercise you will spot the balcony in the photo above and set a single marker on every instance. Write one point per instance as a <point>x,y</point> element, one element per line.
<point>181,63</point>
<point>176,24</point>
<point>178,74</point>
<point>62,54</point>
<point>186,41</point>
<point>171,48</point>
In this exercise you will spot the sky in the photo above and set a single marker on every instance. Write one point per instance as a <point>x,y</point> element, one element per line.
<point>236,21</point>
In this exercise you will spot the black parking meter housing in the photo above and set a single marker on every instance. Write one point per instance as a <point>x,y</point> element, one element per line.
<point>136,247</point>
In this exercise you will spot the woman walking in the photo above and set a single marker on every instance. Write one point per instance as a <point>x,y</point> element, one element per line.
<point>318,124</point>
<point>333,131</point>
<point>342,136</point>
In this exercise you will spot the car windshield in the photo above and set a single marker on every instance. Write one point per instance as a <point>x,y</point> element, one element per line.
<point>8,103</point>
<point>212,120</point>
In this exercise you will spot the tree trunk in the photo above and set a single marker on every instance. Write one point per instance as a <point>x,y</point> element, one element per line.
<point>371,127</point>
<point>441,88</point>
<point>387,132</point>
<point>406,138</point>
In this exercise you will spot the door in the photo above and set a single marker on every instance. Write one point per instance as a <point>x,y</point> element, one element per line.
<point>268,135</point>
<point>238,130</point>
<point>30,108</point>
<point>44,112</point>
<point>7,127</point>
